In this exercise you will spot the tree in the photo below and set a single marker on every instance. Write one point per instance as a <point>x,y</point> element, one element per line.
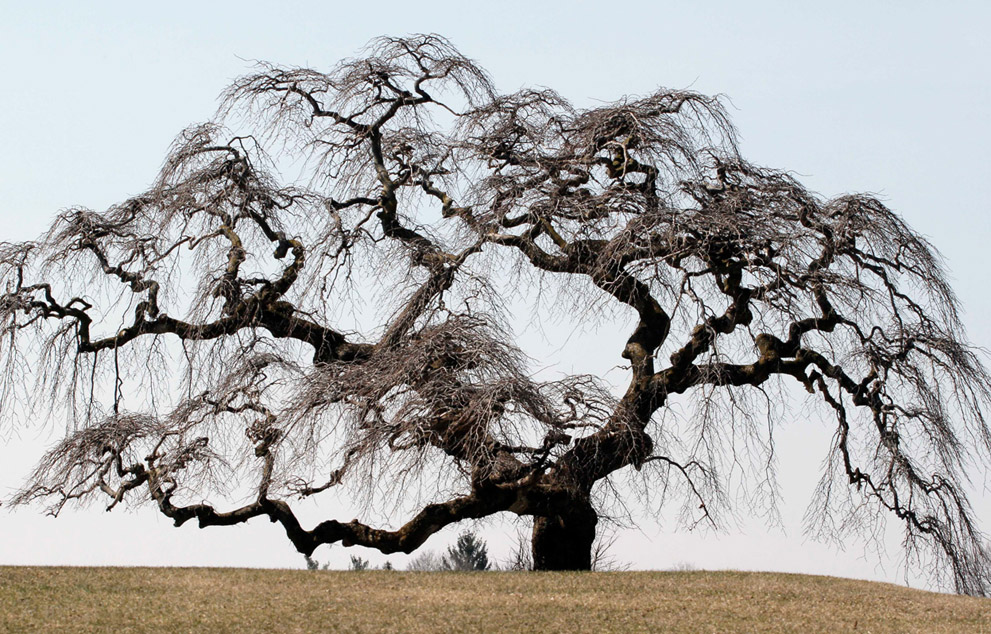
<point>213,338</point>
<point>425,561</point>
<point>468,553</point>
<point>357,563</point>
<point>521,555</point>
<point>313,564</point>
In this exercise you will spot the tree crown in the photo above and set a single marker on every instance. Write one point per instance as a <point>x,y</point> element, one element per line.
<point>213,335</point>
<point>467,554</point>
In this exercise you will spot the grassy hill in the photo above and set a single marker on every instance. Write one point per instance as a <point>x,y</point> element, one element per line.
<point>237,600</point>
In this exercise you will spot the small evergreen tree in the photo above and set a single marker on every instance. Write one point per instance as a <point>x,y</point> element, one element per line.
<point>357,563</point>
<point>313,564</point>
<point>468,553</point>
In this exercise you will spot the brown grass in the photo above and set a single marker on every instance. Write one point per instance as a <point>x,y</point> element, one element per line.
<point>229,600</point>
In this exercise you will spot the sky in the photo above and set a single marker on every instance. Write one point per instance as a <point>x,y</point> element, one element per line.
<point>883,97</point>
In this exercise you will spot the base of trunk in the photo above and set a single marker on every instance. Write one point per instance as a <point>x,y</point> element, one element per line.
<point>564,542</point>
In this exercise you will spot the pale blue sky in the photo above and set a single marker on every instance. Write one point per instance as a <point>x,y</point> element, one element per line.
<point>888,97</point>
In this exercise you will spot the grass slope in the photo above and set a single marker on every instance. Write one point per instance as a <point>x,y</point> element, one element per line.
<point>231,600</point>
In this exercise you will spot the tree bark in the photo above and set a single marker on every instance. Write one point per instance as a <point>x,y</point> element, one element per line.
<point>563,541</point>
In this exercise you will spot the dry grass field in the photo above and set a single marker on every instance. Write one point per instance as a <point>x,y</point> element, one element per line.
<point>229,600</point>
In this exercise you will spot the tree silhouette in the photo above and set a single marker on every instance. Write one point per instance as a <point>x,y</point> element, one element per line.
<point>468,553</point>
<point>358,563</point>
<point>220,335</point>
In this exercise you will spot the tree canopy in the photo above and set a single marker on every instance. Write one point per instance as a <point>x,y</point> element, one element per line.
<point>226,343</point>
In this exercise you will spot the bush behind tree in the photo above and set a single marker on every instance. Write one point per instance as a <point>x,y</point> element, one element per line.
<point>358,563</point>
<point>467,554</point>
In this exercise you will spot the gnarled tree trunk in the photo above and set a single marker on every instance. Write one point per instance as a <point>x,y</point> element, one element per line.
<point>563,541</point>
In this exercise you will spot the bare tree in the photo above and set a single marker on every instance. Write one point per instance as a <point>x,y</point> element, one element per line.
<point>215,335</point>
<point>603,560</point>
<point>521,555</point>
<point>425,561</point>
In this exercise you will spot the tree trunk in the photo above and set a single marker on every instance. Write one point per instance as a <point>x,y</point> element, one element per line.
<point>564,541</point>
